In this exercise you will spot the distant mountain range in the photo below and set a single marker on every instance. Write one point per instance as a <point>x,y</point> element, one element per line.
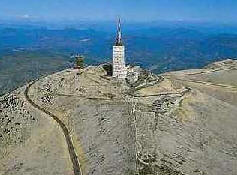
<point>27,51</point>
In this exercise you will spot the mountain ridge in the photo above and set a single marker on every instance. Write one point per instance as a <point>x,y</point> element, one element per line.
<point>175,123</point>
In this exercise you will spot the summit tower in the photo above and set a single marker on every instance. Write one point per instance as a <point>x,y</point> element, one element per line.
<point>119,68</point>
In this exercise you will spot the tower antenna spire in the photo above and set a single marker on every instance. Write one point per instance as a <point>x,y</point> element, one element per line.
<point>119,34</point>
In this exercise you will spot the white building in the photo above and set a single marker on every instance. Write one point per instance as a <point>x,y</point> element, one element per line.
<point>119,68</point>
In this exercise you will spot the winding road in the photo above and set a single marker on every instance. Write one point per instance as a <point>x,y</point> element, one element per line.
<point>71,149</point>
<point>229,87</point>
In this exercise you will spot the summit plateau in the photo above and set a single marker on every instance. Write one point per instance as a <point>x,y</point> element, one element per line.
<point>82,121</point>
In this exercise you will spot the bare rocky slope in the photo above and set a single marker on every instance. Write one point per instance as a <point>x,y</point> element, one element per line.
<point>85,122</point>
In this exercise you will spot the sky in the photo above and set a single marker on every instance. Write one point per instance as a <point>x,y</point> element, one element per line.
<point>129,10</point>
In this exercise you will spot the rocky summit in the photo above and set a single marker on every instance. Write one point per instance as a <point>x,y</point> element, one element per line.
<point>83,121</point>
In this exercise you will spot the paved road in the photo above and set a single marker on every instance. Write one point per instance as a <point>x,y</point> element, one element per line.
<point>71,150</point>
<point>229,87</point>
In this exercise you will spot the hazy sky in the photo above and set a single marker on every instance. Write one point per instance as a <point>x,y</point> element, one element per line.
<point>130,10</point>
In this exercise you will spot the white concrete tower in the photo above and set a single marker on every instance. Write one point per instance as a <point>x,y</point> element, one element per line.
<point>119,68</point>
